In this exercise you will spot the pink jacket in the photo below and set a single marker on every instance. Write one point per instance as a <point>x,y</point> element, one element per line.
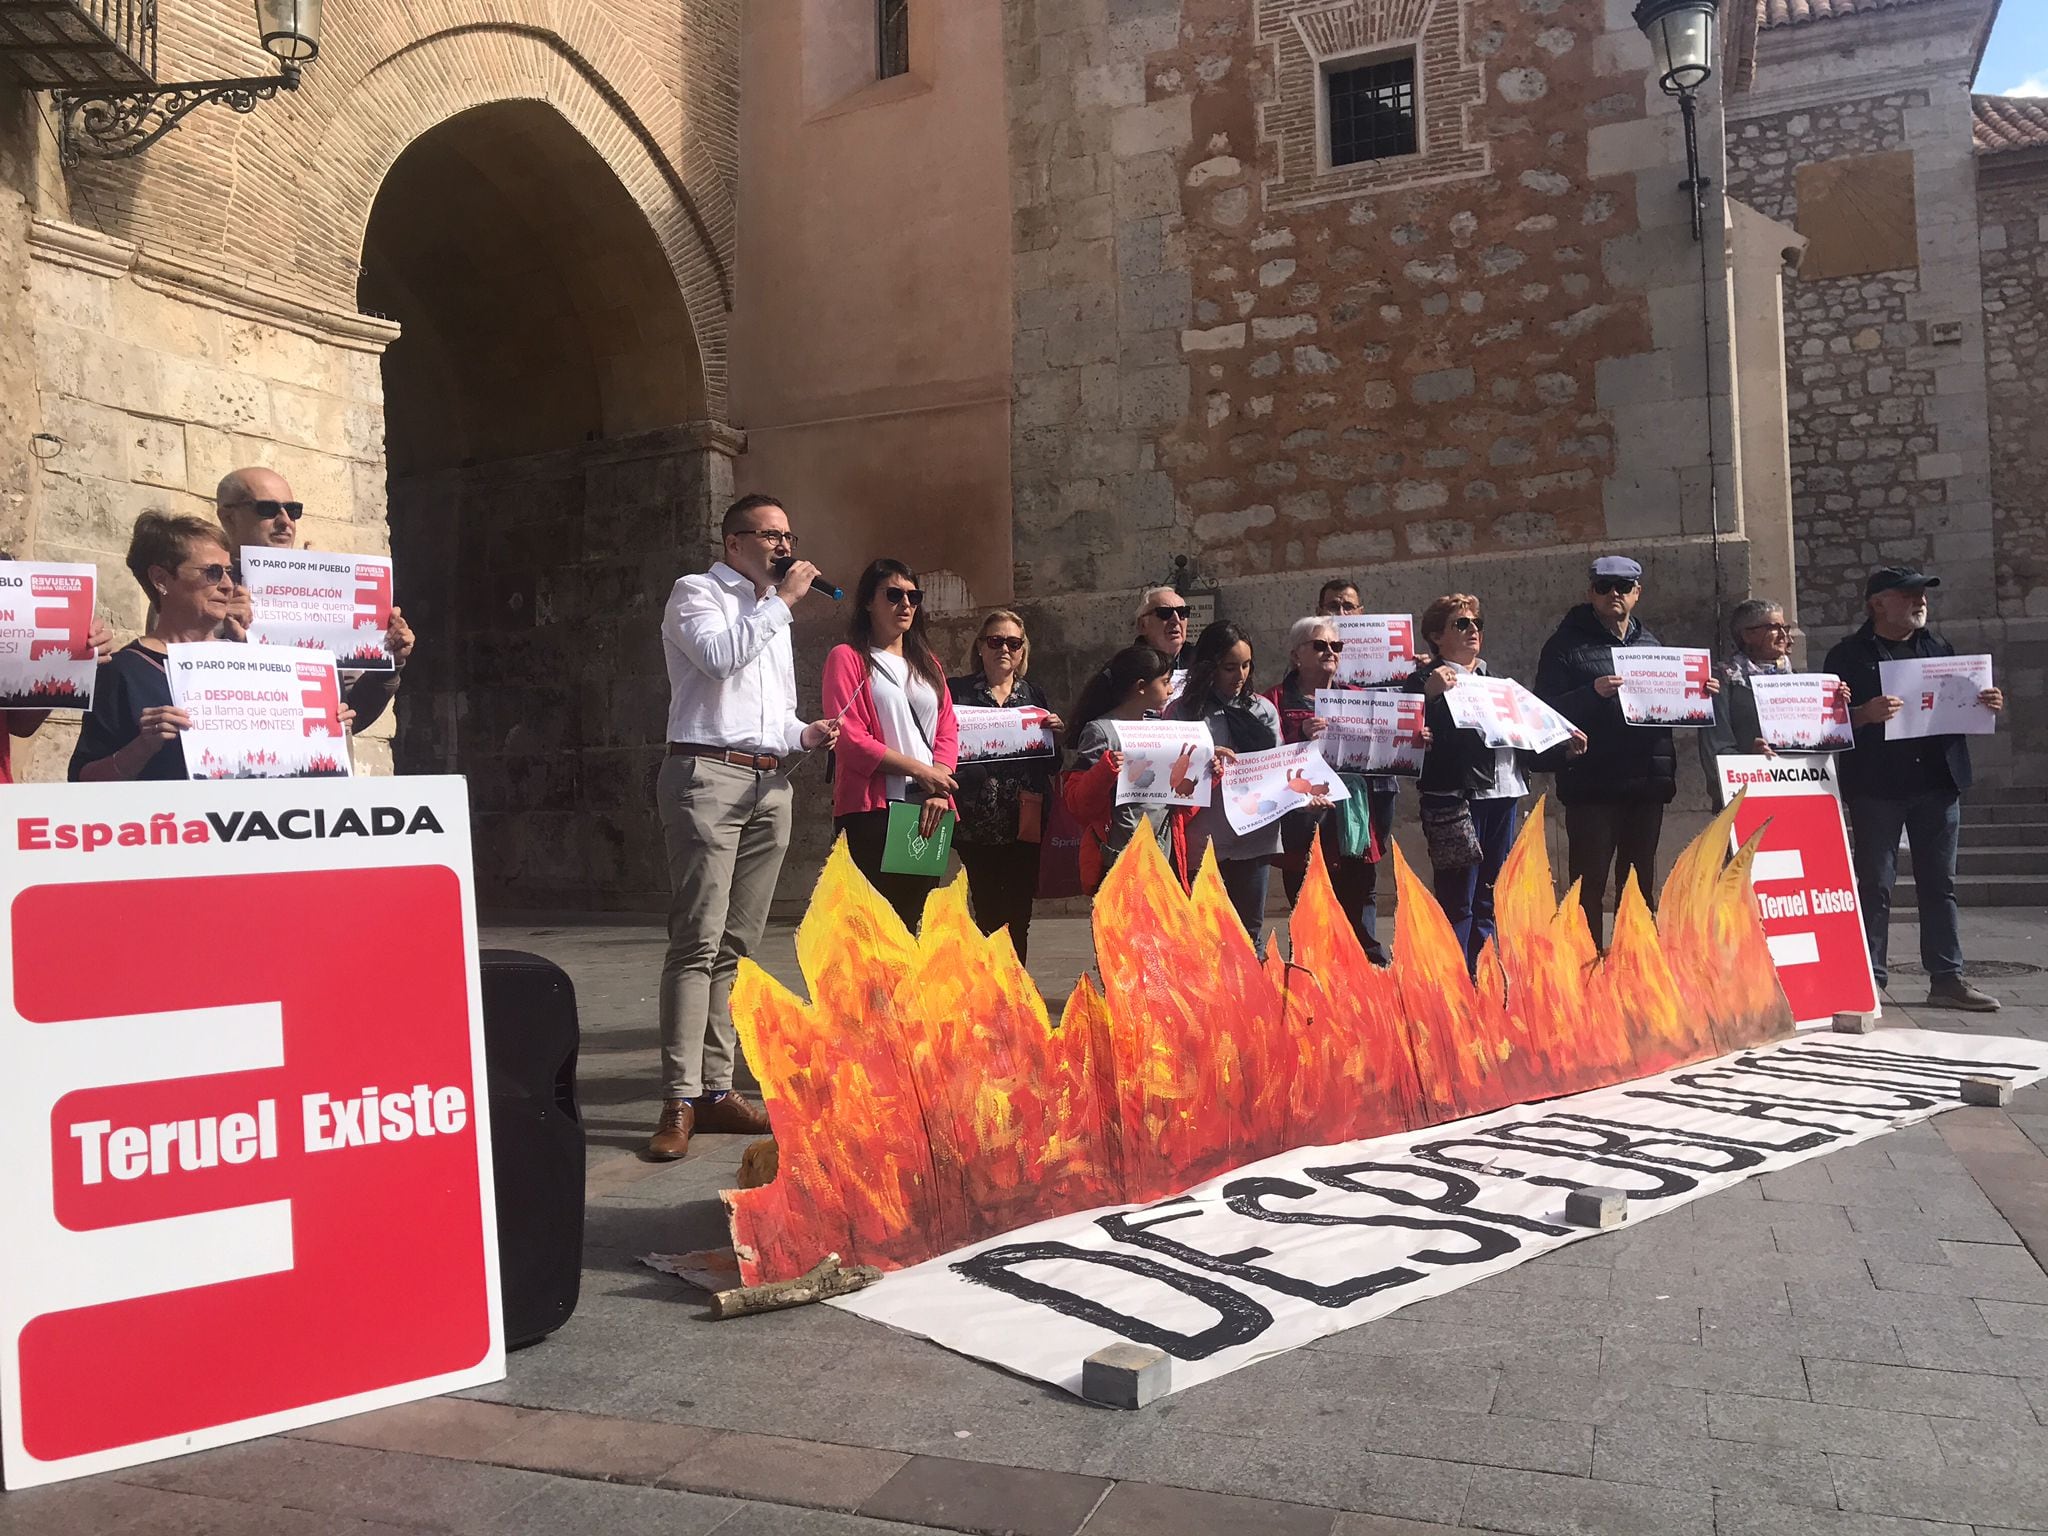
<point>857,783</point>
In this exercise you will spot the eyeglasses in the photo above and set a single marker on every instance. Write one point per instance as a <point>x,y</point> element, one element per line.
<point>1011,643</point>
<point>213,575</point>
<point>1774,629</point>
<point>903,597</point>
<point>266,511</point>
<point>1168,615</point>
<point>769,535</point>
<point>1465,624</point>
<point>1615,585</point>
<point>1328,647</point>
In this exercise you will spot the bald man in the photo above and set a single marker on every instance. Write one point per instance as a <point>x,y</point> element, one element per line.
<point>256,508</point>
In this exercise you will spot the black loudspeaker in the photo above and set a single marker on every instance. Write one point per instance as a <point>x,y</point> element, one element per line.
<point>530,1041</point>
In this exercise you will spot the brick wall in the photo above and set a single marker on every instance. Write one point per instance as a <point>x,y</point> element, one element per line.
<point>2014,246</point>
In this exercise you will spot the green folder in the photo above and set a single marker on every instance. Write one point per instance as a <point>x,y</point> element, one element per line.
<point>905,852</point>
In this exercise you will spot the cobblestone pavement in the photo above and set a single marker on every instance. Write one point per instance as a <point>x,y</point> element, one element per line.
<point>1854,1347</point>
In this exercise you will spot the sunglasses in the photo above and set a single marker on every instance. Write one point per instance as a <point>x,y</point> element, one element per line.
<point>1011,643</point>
<point>213,575</point>
<point>266,511</point>
<point>1328,647</point>
<point>1615,585</point>
<point>1465,624</point>
<point>1170,614</point>
<point>903,597</point>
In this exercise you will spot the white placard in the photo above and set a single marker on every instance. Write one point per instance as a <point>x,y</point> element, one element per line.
<point>1315,1241</point>
<point>1166,762</point>
<point>1664,685</point>
<point>1372,731</point>
<point>316,600</point>
<point>1505,714</point>
<point>1261,787</point>
<point>1378,648</point>
<point>1801,712</point>
<point>990,735</point>
<point>258,712</point>
<point>1940,696</point>
<point>46,661</point>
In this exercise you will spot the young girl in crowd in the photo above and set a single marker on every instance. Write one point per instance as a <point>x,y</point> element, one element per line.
<point>898,739</point>
<point>1133,686</point>
<point>1219,693</point>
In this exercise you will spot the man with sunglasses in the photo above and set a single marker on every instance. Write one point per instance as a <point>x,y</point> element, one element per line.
<point>256,508</point>
<point>1614,793</point>
<point>724,796</point>
<point>1163,625</point>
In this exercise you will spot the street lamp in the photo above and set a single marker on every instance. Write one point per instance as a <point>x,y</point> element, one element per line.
<point>1681,34</point>
<point>113,125</point>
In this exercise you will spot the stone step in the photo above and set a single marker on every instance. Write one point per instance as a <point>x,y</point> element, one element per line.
<point>1982,891</point>
<point>2010,794</point>
<point>1994,860</point>
<point>1975,815</point>
<point>2022,834</point>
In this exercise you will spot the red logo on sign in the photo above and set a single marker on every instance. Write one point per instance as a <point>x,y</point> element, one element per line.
<point>320,699</point>
<point>63,610</point>
<point>387,1276</point>
<point>1408,724</point>
<point>1698,669</point>
<point>1401,638</point>
<point>1806,897</point>
<point>373,597</point>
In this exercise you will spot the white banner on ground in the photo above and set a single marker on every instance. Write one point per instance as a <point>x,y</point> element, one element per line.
<point>1801,712</point>
<point>1506,714</point>
<point>1664,685</point>
<point>1939,695</point>
<point>988,735</point>
<point>1322,1239</point>
<point>258,712</point>
<point>1166,762</point>
<point>1372,731</point>
<point>1378,648</point>
<point>319,601</point>
<point>1261,787</point>
<point>46,661</point>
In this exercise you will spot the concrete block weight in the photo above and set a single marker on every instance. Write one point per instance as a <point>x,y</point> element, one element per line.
<point>1595,1207</point>
<point>1126,1375</point>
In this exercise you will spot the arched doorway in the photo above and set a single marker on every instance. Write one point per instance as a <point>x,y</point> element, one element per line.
<point>550,476</point>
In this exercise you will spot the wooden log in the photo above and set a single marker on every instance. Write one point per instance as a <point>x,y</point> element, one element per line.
<point>826,1280</point>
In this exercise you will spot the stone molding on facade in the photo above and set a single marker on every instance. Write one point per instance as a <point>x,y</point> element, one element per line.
<point>1306,36</point>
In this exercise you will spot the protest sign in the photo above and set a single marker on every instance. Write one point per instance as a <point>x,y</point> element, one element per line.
<point>1506,714</point>
<point>1372,731</point>
<point>1261,787</point>
<point>1940,696</point>
<point>1378,647</point>
<point>241,1182</point>
<point>46,661</point>
<point>989,735</point>
<point>258,712</point>
<point>1664,685</point>
<point>1802,711</point>
<point>1804,882</point>
<point>317,601</point>
<point>1166,762</point>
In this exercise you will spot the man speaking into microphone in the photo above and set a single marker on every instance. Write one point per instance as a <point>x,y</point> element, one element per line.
<point>725,803</point>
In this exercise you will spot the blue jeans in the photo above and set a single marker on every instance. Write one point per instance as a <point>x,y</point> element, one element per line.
<point>1245,881</point>
<point>1466,895</point>
<point>1933,824</point>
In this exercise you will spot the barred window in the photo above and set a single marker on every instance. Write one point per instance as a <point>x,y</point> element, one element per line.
<point>1372,111</point>
<point>893,34</point>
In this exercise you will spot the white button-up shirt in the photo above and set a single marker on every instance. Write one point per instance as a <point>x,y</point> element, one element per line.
<point>731,673</point>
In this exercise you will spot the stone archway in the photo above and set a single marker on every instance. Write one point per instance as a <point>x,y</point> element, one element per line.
<point>551,472</point>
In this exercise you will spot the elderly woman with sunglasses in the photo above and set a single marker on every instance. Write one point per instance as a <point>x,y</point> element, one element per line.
<point>185,568</point>
<point>1002,804</point>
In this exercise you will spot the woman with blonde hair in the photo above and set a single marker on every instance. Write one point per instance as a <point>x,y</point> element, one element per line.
<point>1002,803</point>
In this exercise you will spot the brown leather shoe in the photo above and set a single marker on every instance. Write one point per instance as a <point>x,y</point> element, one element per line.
<point>733,1116</point>
<point>671,1138</point>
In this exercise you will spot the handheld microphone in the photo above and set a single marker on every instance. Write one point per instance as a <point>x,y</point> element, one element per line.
<point>819,583</point>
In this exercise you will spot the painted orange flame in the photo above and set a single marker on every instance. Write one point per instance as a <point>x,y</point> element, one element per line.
<point>923,1101</point>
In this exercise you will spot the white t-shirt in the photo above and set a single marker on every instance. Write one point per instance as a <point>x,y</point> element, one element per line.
<point>907,708</point>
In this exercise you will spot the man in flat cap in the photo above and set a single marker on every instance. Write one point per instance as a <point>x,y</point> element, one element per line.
<point>1913,786</point>
<point>1615,792</point>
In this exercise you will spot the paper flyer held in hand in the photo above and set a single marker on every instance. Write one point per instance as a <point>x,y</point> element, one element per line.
<point>1260,787</point>
<point>258,712</point>
<point>1166,762</point>
<point>46,659</point>
<point>1506,714</point>
<point>319,601</point>
<point>1801,712</point>
<point>1939,695</point>
<point>989,735</point>
<point>1378,648</point>
<point>1372,731</point>
<point>1665,685</point>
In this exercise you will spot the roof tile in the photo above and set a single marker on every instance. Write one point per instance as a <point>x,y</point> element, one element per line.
<point>2010,122</point>
<point>1794,13</point>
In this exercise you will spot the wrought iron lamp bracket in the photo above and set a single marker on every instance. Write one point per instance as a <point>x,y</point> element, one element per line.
<point>113,125</point>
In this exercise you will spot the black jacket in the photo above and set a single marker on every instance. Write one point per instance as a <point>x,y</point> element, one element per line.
<point>1893,769</point>
<point>1623,763</point>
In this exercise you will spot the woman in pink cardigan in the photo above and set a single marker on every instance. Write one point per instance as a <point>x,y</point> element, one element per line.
<point>898,739</point>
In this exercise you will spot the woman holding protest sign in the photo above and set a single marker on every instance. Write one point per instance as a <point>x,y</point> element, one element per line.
<point>898,740</point>
<point>1134,686</point>
<point>1471,792</point>
<point>1002,801</point>
<point>1219,693</point>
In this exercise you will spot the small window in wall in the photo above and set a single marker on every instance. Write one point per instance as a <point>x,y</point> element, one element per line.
<point>1372,111</point>
<point>893,34</point>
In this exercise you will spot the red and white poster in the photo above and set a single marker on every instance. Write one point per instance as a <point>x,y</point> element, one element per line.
<point>1804,883</point>
<point>1378,648</point>
<point>258,712</point>
<point>1505,714</point>
<point>1372,731</point>
<point>1938,696</point>
<point>1802,711</point>
<point>240,1191</point>
<point>46,659</point>
<point>1664,685</point>
<point>1260,787</point>
<point>989,735</point>
<point>1166,762</point>
<point>320,601</point>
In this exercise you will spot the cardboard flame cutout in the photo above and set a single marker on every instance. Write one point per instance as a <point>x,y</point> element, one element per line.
<point>923,1101</point>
